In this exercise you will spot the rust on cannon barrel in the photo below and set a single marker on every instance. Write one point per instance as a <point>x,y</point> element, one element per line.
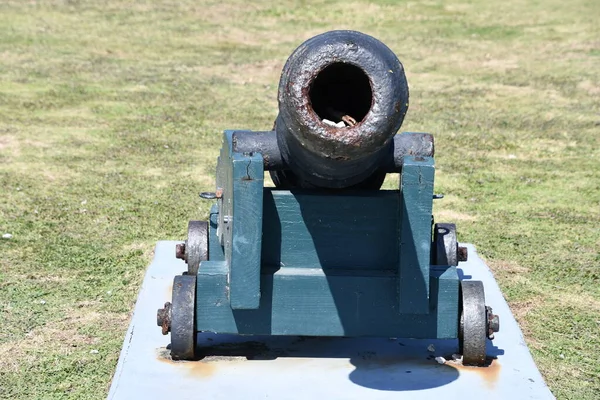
<point>342,97</point>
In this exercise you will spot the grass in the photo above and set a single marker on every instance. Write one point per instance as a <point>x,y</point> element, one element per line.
<point>110,114</point>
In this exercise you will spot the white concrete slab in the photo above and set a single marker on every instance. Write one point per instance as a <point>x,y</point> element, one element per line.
<point>317,368</point>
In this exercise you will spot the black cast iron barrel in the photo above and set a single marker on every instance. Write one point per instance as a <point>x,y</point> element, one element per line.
<point>342,97</point>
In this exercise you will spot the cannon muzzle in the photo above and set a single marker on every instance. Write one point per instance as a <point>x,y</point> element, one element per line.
<point>342,97</point>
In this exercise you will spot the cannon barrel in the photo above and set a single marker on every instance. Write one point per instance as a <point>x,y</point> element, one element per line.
<point>345,78</point>
<point>342,98</point>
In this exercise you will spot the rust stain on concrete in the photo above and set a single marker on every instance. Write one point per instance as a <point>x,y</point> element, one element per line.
<point>489,373</point>
<point>200,369</point>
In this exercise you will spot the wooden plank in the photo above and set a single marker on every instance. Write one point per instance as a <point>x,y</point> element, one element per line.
<point>246,231</point>
<point>416,194</point>
<point>225,187</point>
<point>309,301</point>
<point>239,222</point>
<point>304,229</point>
<point>445,283</point>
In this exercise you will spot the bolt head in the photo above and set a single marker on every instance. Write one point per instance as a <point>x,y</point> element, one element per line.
<point>463,253</point>
<point>493,322</point>
<point>180,251</point>
<point>163,318</point>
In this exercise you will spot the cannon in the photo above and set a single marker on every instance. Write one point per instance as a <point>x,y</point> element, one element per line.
<point>326,251</point>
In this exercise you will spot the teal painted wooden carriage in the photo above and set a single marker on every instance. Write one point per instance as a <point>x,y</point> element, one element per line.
<point>326,252</point>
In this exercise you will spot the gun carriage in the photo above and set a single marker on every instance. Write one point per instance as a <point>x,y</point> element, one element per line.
<point>326,252</point>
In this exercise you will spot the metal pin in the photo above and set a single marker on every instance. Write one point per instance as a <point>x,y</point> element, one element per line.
<point>208,195</point>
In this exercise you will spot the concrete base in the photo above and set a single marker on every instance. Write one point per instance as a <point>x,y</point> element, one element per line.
<point>258,367</point>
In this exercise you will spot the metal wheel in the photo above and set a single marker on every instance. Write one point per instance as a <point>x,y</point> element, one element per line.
<point>196,245</point>
<point>473,323</point>
<point>183,319</point>
<point>446,245</point>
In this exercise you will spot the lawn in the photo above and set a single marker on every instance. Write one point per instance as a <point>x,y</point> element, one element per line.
<point>110,121</point>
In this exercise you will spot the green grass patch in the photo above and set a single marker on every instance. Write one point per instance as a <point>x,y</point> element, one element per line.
<point>110,121</point>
